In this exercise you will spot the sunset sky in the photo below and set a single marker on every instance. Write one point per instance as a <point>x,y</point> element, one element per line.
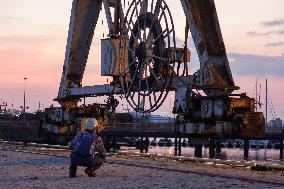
<point>33,36</point>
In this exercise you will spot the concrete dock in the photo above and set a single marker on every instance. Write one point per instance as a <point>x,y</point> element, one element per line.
<point>23,170</point>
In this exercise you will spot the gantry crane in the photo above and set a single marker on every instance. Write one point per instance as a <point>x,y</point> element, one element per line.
<point>141,56</point>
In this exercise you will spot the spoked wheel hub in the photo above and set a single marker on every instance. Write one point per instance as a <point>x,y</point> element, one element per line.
<point>146,70</point>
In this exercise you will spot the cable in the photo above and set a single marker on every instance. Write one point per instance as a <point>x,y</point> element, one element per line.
<point>272,104</point>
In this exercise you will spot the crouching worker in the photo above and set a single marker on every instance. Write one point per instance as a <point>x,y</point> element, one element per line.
<point>87,150</point>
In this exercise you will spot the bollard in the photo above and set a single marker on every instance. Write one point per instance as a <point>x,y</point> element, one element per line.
<point>246,149</point>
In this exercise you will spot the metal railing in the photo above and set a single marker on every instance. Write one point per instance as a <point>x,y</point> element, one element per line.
<point>166,127</point>
<point>16,131</point>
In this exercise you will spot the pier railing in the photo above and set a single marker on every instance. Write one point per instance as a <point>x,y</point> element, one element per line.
<point>17,131</point>
<point>160,127</point>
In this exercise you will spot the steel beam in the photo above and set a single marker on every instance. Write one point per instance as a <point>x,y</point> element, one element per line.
<point>97,90</point>
<point>83,20</point>
<point>108,16</point>
<point>215,73</point>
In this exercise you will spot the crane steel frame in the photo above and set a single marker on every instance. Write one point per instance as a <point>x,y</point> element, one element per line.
<point>203,22</point>
<point>214,76</point>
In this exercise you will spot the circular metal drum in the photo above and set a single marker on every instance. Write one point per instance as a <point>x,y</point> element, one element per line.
<point>147,54</point>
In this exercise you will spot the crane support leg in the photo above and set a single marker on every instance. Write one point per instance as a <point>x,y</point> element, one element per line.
<point>83,20</point>
<point>214,75</point>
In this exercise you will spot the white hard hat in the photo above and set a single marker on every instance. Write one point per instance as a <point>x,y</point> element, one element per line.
<point>91,123</point>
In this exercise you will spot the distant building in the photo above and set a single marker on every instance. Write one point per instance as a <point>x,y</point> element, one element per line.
<point>150,118</point>
<point>275,125</point>
<point>160,119</point>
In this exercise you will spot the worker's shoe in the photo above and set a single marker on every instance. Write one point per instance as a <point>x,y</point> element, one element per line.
<point>90,172</point>
<point>72,171</point>
<point>72,174</point>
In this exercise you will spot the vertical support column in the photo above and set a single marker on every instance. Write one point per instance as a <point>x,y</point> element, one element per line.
<point>176,148</point>
<point>116,17</point>
<point>141,145</point>
<point>113,144</point>
<point>108,16</point>
<point>218,148</point>
<point>246,149</point>
<point>176,133</point>
<point>211,148</point>
<point>106,143</point>
<point>281,149</point>
<point>179,146</point>
<point>198,151</point>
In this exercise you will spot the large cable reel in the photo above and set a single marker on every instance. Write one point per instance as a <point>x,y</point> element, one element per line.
<point>147,54</point>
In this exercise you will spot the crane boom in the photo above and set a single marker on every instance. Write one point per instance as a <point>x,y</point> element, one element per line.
<point>83,20</point>
<point>215,73</point>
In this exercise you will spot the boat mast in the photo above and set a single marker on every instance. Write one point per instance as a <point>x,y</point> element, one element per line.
<point>266,102</point>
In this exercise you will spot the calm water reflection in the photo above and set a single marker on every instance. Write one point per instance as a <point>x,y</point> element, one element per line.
<point>226,153</point>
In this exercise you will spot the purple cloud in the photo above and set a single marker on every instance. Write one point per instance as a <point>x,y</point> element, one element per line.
<point>275,44</point>
<point>275,22</point>
<point>256,33</point>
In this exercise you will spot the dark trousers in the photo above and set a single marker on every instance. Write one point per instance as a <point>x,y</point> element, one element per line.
<point>91,162</point>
